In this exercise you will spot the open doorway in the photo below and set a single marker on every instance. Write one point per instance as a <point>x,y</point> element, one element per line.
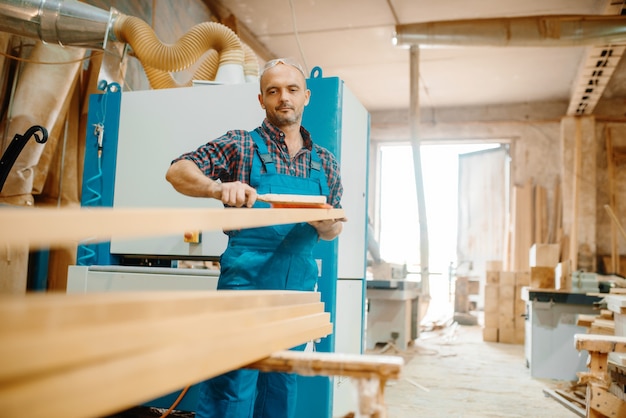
<point>445,169</point>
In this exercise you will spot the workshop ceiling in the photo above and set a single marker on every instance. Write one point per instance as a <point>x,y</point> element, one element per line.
<point>352,40</point>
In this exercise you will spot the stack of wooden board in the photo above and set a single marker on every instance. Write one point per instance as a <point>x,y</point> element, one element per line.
<point>504,308</point>
<point>95,354</point>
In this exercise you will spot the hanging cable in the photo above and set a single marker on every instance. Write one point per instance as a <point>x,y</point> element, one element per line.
<point>295,31</point>
<point>93,184</point>
<point>176,402</point>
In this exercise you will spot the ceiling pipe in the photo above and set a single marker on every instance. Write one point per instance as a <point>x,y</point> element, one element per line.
<point>540,31</point>
<point>63,22</point>
<point>73,23</point>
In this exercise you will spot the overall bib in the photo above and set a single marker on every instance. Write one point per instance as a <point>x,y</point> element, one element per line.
<point>270,258</point>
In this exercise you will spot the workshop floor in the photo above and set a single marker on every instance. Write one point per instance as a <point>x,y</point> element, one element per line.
<point>452,372</point>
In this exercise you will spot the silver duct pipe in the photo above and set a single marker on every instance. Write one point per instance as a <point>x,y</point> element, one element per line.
<point>63,22</point>
<point>556,30</point>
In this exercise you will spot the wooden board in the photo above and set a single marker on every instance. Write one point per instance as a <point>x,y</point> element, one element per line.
<point>600,343</point>
<point>332,364</point>
<point>294,201</point>
<point>49,226</point>
<point>136,346</point>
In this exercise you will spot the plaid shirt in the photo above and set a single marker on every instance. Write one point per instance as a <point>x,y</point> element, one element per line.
<point>229,158</point>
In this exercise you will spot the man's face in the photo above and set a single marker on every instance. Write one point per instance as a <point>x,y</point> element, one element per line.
<point>283,95</point>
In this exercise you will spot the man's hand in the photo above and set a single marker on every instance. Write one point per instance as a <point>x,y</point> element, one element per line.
<point>328,229</point>
<point>236,194</point>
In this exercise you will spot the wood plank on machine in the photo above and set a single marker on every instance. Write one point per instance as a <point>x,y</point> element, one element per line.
<point>145,374</point>
<point>54,226</point>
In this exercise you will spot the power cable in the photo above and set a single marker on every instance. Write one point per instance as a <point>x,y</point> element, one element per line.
<point>295,32</point>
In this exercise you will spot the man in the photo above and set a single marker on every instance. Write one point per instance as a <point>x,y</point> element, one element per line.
<point>278,157</point>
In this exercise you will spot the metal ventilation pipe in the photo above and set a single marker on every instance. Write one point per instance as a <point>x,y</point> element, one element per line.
<point>554,30</point>
<point>72,23</point>
<point>64,22</point>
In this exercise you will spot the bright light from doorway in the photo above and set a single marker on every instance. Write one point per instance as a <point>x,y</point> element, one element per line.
<point>399,224</point>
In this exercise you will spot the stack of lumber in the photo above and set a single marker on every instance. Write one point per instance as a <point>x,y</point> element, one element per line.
<point>605,343</point>
<point>504,308</point>
<point>602,324</point>
<point>71,355</point>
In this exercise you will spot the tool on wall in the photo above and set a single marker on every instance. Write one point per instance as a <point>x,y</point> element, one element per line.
<point>15,147</point>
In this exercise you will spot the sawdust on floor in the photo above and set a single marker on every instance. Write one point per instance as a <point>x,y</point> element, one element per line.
<point>452,372</point>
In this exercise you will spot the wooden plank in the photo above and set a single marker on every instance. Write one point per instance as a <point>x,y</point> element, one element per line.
<point>522,225</point>
<point>615,220</point>
<point>568,401</point>
<point>36,352</point>
<point>137,378</point>
<point>555,224</point>
<point>40,311</point>
<point>53,226</point>
<point>577,173</point>
<point>585,320</point>
<point>138,375</point>
<point>602,326</point>
<point>614,266</point>
<point>332,364</point>
<point>600,343</point>
<point>541,215</point>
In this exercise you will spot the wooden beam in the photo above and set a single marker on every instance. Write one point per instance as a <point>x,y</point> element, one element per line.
<point>50,226</point>
<point>332,364</point>
<point>600,343</point>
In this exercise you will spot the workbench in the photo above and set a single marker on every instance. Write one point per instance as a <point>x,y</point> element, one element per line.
<point>550,328</point>
<point>392,314</point>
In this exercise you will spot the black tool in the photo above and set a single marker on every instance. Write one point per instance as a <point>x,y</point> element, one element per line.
<point>16,146</point>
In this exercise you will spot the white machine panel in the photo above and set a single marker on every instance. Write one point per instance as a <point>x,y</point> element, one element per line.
<point>87,279</point>
<point>157,126</point>
<point>354,160</point>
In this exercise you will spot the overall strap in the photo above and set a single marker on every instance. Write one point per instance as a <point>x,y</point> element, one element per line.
<point>317,172</point>
<point>261,157</point>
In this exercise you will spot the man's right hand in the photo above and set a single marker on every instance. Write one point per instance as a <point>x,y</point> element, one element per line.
<point>236,194</point>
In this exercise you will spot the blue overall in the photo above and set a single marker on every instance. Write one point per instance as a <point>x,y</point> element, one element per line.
<point>275,257</point>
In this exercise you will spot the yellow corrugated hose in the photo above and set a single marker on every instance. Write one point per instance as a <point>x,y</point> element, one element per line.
<point>218,43</point>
